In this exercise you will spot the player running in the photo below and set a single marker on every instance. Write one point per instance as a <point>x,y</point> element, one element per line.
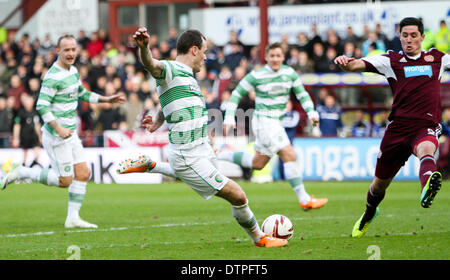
<point>413,76</point>
<point>272,85</point>
<point>57,104</point>
<point>191,158</point>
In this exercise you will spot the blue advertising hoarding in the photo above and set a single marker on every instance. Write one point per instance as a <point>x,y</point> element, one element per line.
<point>341,159</point>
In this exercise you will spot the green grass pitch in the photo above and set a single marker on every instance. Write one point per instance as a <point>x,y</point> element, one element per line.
<point>171,222</point>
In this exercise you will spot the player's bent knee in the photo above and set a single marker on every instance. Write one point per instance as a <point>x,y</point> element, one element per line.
<point>65,182</point>
<point>84,177</point>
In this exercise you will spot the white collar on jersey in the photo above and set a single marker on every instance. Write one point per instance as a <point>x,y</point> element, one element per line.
<point>188,68</point>
<point>411,57</point>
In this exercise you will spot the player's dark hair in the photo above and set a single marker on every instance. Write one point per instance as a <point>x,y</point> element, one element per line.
<point>188,39</point>
<point>273,46</point>
<point>65,36</point>
<point>412,21</point>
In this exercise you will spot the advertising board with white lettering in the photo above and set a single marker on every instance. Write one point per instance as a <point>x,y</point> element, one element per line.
<point>340,159</point>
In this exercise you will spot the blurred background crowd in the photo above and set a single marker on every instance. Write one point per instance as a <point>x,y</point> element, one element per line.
<point>107,70</point>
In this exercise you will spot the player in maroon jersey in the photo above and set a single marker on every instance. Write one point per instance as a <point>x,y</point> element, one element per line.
<point>413,76</point>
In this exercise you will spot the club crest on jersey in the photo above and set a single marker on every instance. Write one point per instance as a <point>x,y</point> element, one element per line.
<point>418,70</point>
<point>428,58</point>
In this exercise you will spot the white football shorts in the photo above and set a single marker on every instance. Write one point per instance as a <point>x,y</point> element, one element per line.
<point>63,154</point>
<point>270,136</point>
<point>197,168</point>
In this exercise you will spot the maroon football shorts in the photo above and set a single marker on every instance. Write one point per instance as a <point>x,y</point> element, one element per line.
<point>400,141</point>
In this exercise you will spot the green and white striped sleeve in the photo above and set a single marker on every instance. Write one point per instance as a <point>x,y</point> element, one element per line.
<point>241,90</point>
<point>87,95</point>
<point>46,95</point>
<point>303,96</point>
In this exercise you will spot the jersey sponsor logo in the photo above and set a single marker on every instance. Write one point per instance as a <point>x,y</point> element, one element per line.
<point>193,87</point>
<point>418,70</point>
<point>429,58</point>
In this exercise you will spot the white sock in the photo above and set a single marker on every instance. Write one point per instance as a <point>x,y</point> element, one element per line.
<point>244,216</point>
<point>45,176</point>
<point>295,179</point>
<point>225,155</point>
<point>242,159</point>
<point>163,168</point>
<point>77,191</point>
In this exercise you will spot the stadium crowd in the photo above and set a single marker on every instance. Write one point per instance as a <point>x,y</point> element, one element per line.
<point>108,70</point>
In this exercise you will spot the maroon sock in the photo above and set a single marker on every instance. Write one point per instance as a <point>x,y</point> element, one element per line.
<point>427,167</point>
<point>373,200</point>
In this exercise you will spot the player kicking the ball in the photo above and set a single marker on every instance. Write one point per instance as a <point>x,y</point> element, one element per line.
<point>57,104</point>
<point>414,126</point>
<point>191,158</point>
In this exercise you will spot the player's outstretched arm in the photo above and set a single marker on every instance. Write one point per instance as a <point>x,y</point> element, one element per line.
<point>153,66</point>
<point>350,64</point>
<point>116,98</point>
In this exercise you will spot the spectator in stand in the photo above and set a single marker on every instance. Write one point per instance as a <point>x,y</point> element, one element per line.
<point>234,39</point>
<point>33,87</point>
<point>395,43</point>
<point>380,126</point>
<point>46,46</point>
<point>333,41</point>
<point>234,57</point>
<point>202,78</point>
<point>103,35</point>
<point>305,65</point>
<point>330,117</point>
<point>442,41</point>
<point>222,81</point>
<point>381,35</point>
<point>238,74</point>
<point>350,37</point>
<point>95,45</point>
<point>361,127</point>
<point>303,43</point>
<point>373,38</point>
<point>6,121</point>
<point>330,55</point>
<point>27,130</point>
<point>314,38</point>
<point>253,60</point>
<point>320,60</point>
<point>16,90</point>
<point>349,49</point>
<point>82,39</point>
<point>293,58</point>
<point>109,117</point>
<point>131,110</point>
<point>10,71</point>
<point>165,49</point>
<point>173,36</point>
<point>211,101</point>
<point>144,92</point>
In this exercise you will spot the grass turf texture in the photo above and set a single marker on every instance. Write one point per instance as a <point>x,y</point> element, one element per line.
<point>171,222</point>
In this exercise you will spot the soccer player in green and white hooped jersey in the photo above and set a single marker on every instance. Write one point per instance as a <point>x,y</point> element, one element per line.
<point>191,157</point>
<point>272,85</point>
<point>57,104</point>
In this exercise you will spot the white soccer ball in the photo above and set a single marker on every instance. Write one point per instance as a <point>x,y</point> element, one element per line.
<point>278,226</point>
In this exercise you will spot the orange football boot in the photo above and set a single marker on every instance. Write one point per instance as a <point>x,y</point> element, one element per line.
<point>142,164</point>
<point>269,241</point>
<point>314,203</point>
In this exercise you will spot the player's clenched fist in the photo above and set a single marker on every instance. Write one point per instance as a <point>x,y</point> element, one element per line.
<point>141,37</point>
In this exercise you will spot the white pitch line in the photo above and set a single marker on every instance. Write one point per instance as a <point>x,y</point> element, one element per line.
<point>177,225</point>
